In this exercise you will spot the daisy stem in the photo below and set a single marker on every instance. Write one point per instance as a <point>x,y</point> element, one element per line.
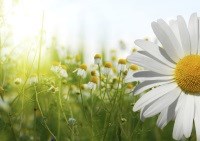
<point>82,100</point>
<point>61,106</point>
<point>40,109</point>
<point>59,109</point>
<point>92,114</point>
<point>108,116</point>
<point>99,68</point>
<point>35,121</point>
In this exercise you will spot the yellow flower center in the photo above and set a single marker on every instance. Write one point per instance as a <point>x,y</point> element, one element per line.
<point>122,61</point>
<point>83,66</point>
<point>187,74</point>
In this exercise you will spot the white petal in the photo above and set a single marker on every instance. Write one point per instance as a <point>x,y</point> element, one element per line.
<point>166,115</point>
<point>184,34</point>
<point>142,118</point>
<point>197,117</point>
<point>162,102</point>
<point>150,75</point>
<point>188,116</point>
<point>153,95</point>
<point>172,38</point>
<point>199,36</point>
<point>178,125</point>
<point>154,50</point>
<point>181,100</point>
<point>149,64</point>
<point>147,85</point>
<point>164,39</point>
<point>174,26</point>
<point>193,31</point>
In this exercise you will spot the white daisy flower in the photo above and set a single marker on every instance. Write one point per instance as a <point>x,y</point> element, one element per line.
<point>107,68</point>
<point>55,69</point>
<point>33,80</point>
<point>121,65</point>
<point>174,71</point>
<point>63,73</point>
<point>97,59</point>
<point>93,83</point>
<point>129,77</point>
<point>59,70</point>
<point>81,71</point>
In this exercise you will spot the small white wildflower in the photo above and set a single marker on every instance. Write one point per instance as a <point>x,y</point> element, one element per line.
<point>63,73</point>
<point>55,69</point>
<point>131,71</point>
<point>121,65</point>
<point>81,71</point>
<point>107,68</point>
<point>97,59</point>
<point>71,121</point>
<point>33,80</point>
<point>59,70</point>
<point>93,83</point>
<point>129,88</point>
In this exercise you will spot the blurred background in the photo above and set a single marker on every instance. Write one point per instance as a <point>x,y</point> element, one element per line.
<point>93,24</point>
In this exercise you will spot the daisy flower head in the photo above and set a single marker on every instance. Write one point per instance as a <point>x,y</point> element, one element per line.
<point>82,70</point>
<point>93,83</point>
<point>173,71</point>
<point>121,65</point>
<point>129,76</point>
<point>33,80</point>
<point>55,67</point>
<point>107,68</point>
<point>63,73</point>
<point>129,88</point>
<point>59,70</point>
<point>97,59</point>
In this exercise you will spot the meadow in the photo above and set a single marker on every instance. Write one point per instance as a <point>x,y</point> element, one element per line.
<point>49,98</point>
<point>46,97</point>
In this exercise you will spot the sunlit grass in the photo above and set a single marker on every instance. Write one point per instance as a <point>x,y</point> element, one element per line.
<point>45,96</point>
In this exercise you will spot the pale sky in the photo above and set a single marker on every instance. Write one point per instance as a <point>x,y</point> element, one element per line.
<point>108,20</point>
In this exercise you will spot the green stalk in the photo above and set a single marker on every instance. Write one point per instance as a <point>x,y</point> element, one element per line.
<point>10,122</point>
<point>92,114</point>
<point>59,110</point>
<point>44,119</point>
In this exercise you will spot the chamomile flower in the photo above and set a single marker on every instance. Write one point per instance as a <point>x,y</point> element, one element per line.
<point>129,88</point>
<point>129,76</point>
<point>59,70</point>
<point>55,67</point>
<point>107,68</point>
<point>33,80</point>
<point>174,71</point>
<point>93,83</point>
<point>81,71</point>
<point>63,73</point>
<point>97,59</point>
<point>121,65</point>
